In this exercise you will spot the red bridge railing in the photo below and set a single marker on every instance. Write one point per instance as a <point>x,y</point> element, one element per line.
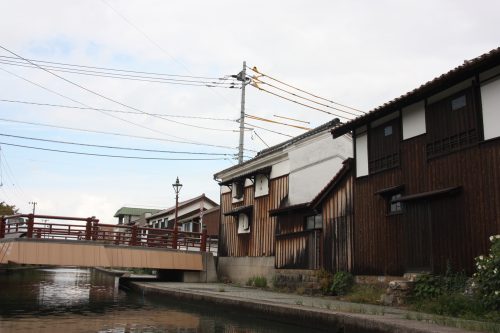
<point>89,229</point>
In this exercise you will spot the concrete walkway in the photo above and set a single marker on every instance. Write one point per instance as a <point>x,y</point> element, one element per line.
<point>319,311</point>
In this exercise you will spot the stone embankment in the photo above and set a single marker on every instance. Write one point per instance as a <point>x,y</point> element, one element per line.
<point>308,311</point>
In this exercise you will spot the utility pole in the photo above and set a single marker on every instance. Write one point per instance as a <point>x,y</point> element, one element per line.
<point>243,78</point>
<point>34,205</point>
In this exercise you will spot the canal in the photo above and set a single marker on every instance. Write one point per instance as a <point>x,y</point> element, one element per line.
<point>84,300</point>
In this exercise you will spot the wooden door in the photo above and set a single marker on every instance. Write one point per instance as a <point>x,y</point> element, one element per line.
<point>418,236</point>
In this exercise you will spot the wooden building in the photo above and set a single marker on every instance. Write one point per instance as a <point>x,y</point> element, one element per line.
<point>190,213</point>
<point>278,180</point>
<point>427,173</point>
<point>318,234</point>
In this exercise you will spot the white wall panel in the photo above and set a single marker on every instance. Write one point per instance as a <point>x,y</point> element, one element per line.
<point>414,120</point>
<point>490,100</point>
<point>361,155</point>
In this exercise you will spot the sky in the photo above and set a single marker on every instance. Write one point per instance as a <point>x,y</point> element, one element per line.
<point>357,53</point>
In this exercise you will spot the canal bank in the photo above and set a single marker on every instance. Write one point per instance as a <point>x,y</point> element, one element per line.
<point>317,312</point>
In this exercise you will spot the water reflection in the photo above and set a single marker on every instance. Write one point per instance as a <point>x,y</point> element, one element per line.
<point>80,300</point>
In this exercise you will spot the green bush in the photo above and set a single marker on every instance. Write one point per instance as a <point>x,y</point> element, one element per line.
<point>257,281</point>
<point>430,286</point>
<point>325,279</point>
<point>342,283</point>
<point>486,280</point>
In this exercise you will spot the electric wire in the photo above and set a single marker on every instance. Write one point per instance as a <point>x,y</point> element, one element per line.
<point>114,156</point>
<point>115,111</point>
<point>117,70</point>
<point>257,135</point>
<point>298,96</point>
<point>297,120</point>
<point>102,96</point>
<point>300,103</point>
<point>145,35</point>
<point>111,133</point>
<point>101,111</point>
<point>255,70</point>
<point>276,122</point>
<point>114,147</point>
<point>12,176</point>
<point>265,129</point>
<point>212,84</point>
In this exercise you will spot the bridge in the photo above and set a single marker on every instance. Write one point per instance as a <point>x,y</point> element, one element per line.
<point>73,241</point>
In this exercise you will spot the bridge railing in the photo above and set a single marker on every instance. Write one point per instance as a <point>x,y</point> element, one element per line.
<point>89,229</point>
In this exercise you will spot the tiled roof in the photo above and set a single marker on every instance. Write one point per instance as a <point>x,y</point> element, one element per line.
<point>454,76</point>
<point>183,203</point>
<point>134,211</point>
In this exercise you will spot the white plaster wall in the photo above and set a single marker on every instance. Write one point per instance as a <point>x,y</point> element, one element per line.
<point>280,169</point>
<point>413,120</point>
<point>361,155</point>
<point>314,164</point>
<point>490,100</point>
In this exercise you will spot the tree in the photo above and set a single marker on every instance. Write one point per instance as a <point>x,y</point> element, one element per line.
<point>6,209</point>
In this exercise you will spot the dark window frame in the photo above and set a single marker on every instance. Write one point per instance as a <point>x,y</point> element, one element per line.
<point>380,160</point>
<point>451,129</point>
<point>317,222</point>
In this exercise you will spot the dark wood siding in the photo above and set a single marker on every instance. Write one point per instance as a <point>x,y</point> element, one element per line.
<point>338,228</point>
<point>459,226</point>
<point>297,247</point>
<point>452,123</point>
<point>384,146</point>
<point>212,220</point>
<point>260,241</point>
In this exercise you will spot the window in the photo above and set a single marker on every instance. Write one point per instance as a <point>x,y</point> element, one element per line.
<point>451,124</point>
<point>395,207</point>
<point>261,185</point>
<point>238,190</point>
<point>170,224</point>
<point>314,222</point>
<point>458,103</point>
<point>383,146</point>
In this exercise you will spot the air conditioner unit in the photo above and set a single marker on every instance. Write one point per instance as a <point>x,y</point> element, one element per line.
<point>243,224</point>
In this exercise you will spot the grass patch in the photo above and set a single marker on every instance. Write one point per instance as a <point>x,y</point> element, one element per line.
<point>257,281</point>
<point>365,293</point>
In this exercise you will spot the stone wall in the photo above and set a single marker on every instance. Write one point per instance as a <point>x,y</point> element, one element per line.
<point>304,281</point>
<point>240,269</point>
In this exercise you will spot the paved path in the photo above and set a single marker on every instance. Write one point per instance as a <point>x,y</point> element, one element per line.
<point>313,308</point>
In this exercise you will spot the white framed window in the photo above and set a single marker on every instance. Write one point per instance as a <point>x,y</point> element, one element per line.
<point>261,185</point>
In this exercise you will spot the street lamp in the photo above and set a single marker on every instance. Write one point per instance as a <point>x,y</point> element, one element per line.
<point>177,188</point>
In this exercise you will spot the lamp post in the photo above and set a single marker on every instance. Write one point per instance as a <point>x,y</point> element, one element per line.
<point>177,188</point>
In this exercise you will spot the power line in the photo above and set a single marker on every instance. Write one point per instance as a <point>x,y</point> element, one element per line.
<point>114,147</point>
<point>255,132</point>
<point>300,103</point>
<point>145,35</point>
<point>276,122</point>
<point>115,111</point>
<point>115,134</point>
<point>100,95</point>
<point>265,129</point>
<point>114,156</point>
<point>196,83</point>
<point>298,96</point>
<point>12,176</point>
<point>300,121</point>
<point>117,70</point>
<point>255,70</point>
<point>102,110</point>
